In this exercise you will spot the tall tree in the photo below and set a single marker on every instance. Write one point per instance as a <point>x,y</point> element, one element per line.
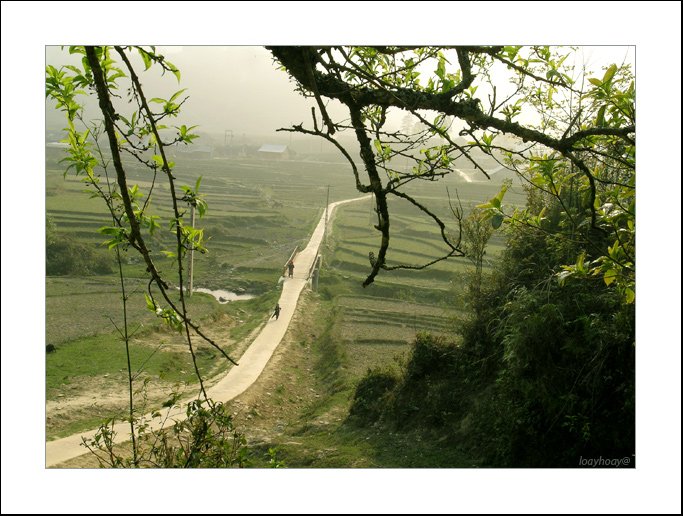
<point>568,134</point>
<point>102,71</point>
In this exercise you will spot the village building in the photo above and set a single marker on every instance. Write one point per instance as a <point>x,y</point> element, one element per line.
<point>275,152</point>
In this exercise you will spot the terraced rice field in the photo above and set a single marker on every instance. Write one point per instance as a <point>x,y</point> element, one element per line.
<point>374,331</point>
<point>259,211</point>
<point>378,323</point>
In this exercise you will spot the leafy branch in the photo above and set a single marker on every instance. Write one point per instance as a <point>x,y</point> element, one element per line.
<point>596,139</point>
<point>141,134</point>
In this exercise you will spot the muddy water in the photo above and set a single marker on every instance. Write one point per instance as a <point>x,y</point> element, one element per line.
<point>224,296</point>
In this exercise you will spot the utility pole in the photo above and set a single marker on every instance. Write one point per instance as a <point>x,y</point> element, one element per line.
<point>191,265</point>
<point>327,207</point>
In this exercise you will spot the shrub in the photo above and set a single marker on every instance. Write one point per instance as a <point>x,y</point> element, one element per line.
<point>64,257</point>
<point>207,438</point>
<point>432,388</point>
<point>372,393</point>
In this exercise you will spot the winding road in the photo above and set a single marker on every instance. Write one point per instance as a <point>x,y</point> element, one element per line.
<point>238,379</point>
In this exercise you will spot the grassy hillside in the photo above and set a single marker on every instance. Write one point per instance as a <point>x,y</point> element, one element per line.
<point>258,213</point>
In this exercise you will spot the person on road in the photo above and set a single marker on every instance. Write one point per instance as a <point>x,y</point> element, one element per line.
<point>291,268</point>
<point>276,313</point>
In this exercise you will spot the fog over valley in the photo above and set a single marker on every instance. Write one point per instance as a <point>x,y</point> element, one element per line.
<point>232,90</point>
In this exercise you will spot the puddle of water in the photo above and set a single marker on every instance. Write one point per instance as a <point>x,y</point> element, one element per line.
<point>224,296</point>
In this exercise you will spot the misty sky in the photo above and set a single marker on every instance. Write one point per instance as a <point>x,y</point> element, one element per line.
<point>240,88</point>
<point>229,87</point>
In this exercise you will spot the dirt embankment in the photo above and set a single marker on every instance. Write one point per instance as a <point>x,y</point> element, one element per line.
<point>273,405</point>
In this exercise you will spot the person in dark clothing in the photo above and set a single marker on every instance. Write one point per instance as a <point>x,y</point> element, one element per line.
<point>276,314</point>
<point>291,268</point>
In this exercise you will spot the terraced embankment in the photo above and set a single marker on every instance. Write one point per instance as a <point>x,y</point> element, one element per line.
<point>238,379</point>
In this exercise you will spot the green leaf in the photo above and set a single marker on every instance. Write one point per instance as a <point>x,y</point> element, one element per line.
<point>145,58</point>
<point>601,116</point>
<point>201,207</point>
<point>175,95</point>
<point>174,70</point>
<point>610,276</point>
<point>630,296</point>
<point>149,302</point>
<point>562,276</point>
<point>501,194</point>
<point>609,74</point>
<point>497,220</point>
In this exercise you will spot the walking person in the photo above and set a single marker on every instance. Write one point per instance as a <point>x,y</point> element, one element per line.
<point>276,313</point>
<point>291,268</point>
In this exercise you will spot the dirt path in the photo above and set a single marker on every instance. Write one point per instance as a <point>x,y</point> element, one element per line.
<point>238,379</point>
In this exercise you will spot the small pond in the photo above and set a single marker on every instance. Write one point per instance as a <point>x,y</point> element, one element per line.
<point>224,296</point>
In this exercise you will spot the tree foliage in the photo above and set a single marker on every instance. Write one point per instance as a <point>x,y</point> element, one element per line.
<point>102,73</point>
<point>568,134</point>
<point>538,375</point>
<point>205,438</point>
<point>544,367</point>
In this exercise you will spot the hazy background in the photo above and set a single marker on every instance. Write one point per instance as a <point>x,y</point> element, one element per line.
<point>236,88</point>
<point>240,89</point>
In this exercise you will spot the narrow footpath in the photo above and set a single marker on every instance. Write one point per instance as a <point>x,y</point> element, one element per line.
<point>239,378</point>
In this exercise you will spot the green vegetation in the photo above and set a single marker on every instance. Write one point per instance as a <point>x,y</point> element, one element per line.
<point>205,438</point>
<point>541,374</point>
<point>541,370</point>
<point>252,225</point>
<point>103,355</point>
<point>527,360</point>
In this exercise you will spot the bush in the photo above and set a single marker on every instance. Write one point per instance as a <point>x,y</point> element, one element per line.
<point>431,355</point>
<point>564,382</point>
<point>207,438</point>
<point>371,395</point>
<point>542,377</point>
<point>433,388</point>
<point>65,257</point>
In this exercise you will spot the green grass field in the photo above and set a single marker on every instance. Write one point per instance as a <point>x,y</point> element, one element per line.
<point>258,213</point>
<point>377,324</point>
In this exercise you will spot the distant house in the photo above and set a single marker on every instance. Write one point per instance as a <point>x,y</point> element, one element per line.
<point>277,152</point>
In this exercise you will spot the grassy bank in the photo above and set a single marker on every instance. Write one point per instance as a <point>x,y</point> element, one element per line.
<point>258,212</point>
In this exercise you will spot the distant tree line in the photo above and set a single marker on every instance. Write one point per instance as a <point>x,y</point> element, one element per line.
<point>66,256</point>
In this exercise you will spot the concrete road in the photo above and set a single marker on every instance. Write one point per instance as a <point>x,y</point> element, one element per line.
<point>238,378</point>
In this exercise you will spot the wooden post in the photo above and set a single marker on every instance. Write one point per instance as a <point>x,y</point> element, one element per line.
<point>327,207</point>
<point>316,273</point>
